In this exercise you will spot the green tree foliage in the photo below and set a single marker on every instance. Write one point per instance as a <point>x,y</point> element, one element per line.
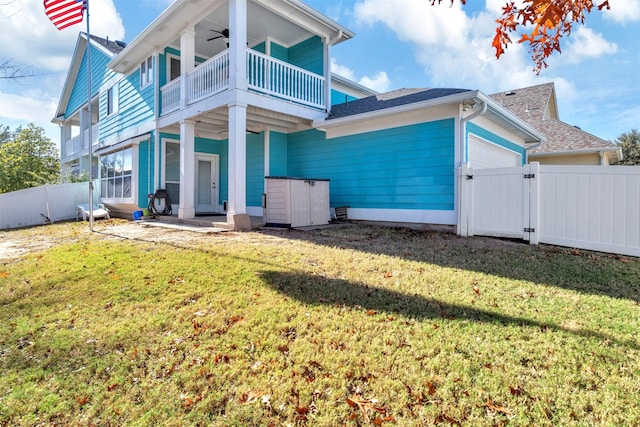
<point>630,143</point>
<point>30,160</point>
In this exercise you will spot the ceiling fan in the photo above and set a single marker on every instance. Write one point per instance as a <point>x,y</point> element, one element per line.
<point>223,34</point>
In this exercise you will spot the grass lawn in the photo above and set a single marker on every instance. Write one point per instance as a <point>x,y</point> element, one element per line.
<point>352,325</point>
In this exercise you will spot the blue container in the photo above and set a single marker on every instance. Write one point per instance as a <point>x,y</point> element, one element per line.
<point>137,215</point>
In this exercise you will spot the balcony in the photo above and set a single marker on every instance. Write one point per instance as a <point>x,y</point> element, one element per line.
<point>78,146</point>
<point>265,75</point>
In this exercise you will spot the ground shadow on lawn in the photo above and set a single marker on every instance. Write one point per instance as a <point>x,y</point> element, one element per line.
<point>579,270</point>
<point>317,290</point>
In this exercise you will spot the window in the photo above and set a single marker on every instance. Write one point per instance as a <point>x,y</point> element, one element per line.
<point>146,72</point>
<point>116,171</point>
<point>112,100</point>
<point>174,68</point>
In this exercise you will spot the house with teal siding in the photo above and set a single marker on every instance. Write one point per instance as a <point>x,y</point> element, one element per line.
<point>214,98</point>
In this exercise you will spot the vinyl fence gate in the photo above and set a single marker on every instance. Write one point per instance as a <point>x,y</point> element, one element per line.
<point>588,207</point>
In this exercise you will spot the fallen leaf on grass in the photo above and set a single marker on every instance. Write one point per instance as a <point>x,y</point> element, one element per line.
<point>82,400</point>
<point>491,406</point>
<point>4,274</point>
<point>364,405</point>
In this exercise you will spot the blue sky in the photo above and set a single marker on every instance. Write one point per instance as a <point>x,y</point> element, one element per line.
<point>398,43</point>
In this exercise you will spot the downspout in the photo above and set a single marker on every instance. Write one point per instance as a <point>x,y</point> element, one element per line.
<point>526,150</point>
<point>327,91</point>
<point>464,158</point>
<point>463,128</point>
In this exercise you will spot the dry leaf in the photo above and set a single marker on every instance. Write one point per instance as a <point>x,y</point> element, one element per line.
<point>4,274</point>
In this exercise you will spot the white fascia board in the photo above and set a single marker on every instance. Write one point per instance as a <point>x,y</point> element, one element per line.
<point>570,152</point>
<point>451,99</point>
<point>315,20</point>
<point>163,30</point>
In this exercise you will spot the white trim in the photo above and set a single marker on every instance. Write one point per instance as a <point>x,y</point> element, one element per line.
<point>131,141</point>
<point>441,217</point>
<point>215,165</point>
<point>134,176</point>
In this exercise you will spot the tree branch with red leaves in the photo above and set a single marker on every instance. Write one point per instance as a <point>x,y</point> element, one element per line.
<point>549,21</point>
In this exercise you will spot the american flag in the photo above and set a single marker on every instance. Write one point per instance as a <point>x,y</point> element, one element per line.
<point>64,13</point>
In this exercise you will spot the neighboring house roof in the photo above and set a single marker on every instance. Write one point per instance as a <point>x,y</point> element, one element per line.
<point>389,100</point>
<point>113,46</point>
<point>537,106</point>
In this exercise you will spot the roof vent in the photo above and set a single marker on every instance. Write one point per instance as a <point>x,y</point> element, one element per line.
<point>121,43</point>
<point>511,93</point>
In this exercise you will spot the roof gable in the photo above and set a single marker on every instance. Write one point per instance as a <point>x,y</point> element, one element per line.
<point>537,106</point>
<point>530,103</point>
<point>106,49</point>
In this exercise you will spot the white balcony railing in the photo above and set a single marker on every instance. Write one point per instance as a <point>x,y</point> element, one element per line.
<point>79,144</point>
<point>264,74</point>
<point>170,96</point>
<point>283,80</point>
<point>208,78</point>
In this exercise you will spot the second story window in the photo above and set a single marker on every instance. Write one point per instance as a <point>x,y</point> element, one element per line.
<point>146,72</point>
<point>112,100</point>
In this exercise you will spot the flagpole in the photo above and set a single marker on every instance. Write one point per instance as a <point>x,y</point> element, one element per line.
<point>90,120</point>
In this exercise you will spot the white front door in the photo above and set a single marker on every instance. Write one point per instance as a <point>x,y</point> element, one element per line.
<point>206,183</point>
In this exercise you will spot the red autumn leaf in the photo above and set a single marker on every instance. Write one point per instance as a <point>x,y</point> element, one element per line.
<point>112,387</point>
<point>82,400</point>
<point>371,312</point>
<point>4,274</point>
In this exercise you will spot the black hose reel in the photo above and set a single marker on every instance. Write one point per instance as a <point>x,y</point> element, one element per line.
<point>160,203</point>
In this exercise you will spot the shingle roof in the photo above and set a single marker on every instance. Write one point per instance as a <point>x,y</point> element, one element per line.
<point>530,103</point>
<point>389,100</point>
<point>536,105</point>
<point>111,45</point>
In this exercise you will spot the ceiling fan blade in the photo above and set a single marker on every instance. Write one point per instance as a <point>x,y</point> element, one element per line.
<point>213,38</point>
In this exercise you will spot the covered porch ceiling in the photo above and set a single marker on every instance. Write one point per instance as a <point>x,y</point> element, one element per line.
<point>214,124</point>
<point>287,22</point>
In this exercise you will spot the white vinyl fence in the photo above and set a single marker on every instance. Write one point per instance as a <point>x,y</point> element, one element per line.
<point>588,207</point>
<point>41,205</point>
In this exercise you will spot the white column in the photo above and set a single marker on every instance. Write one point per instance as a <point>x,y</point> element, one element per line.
<point>238,44</point>
<point>327,75</point>
<point>187,170</point>
<point>237,161</point>
<point>187,60</point>
<point>65,135</point>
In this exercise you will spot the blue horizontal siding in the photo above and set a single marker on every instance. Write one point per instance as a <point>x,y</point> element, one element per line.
<point>277,154</point>
<point>308,54</point>
<point>255,169</point>
<point>338,97</point>
<point>492,137</point>
<point>99,75</point>
<point>145,171</point>
<point>135,106</point>
<point>408,167</point>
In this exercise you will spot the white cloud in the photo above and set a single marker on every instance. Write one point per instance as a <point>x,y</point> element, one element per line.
<point>28,37</point>
<point>341,70</point>
<point>453,48</point>
<point>623,11</point>
<point>380,82</point>
<point>584,43</point>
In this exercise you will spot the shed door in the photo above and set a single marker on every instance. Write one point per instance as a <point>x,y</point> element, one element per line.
<point>485,155</point>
